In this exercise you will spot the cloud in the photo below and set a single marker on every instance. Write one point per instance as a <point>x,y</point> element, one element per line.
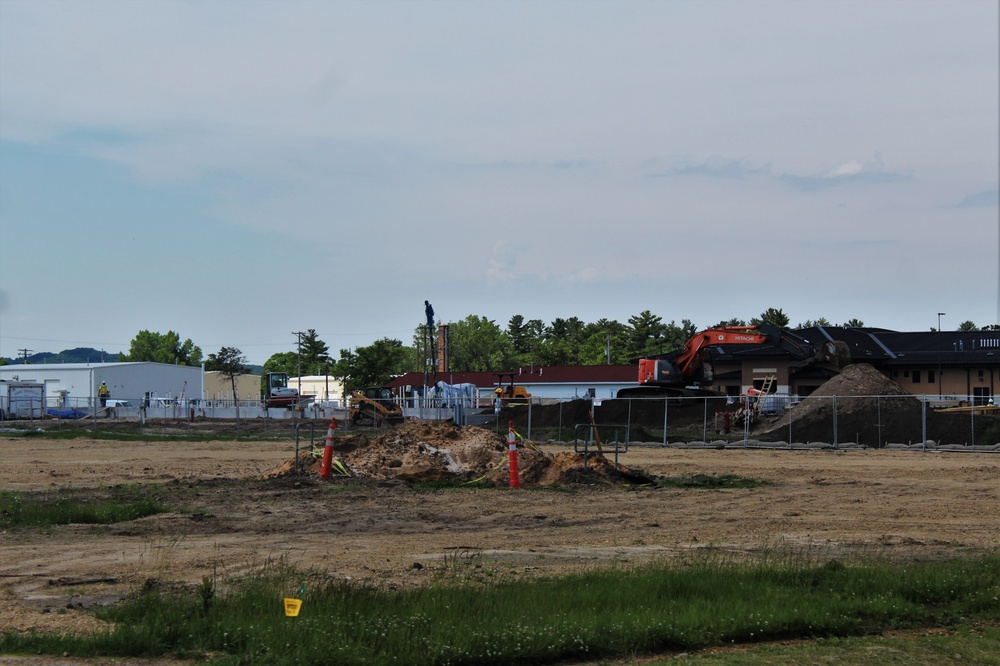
<point>846,174</point>
<point>987,199</point>
<point>714,167</point>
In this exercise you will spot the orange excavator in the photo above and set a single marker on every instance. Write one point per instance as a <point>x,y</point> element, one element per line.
<point>674,374</point>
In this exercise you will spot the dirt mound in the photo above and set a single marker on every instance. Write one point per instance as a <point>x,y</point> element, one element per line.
<point>864,406</point>
<point>567,467</point>
<point>442,451</point>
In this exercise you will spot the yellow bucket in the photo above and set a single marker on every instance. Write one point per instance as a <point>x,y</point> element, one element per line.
<point>292,607</point>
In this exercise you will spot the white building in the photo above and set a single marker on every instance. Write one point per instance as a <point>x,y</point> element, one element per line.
<point>74,385</point>
<point>326,389</point>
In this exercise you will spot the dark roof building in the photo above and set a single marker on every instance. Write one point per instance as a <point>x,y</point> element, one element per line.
<point>951,365</point>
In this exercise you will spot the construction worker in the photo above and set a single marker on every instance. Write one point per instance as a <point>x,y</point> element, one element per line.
<point>103,393</point>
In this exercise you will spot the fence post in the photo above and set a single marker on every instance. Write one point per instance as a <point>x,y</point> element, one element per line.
<point>878,410</point>
<point>666,401</point>
<point>972,420</point>
<point>704,422</point>
<point>836,441</point>
<point>923,419</point>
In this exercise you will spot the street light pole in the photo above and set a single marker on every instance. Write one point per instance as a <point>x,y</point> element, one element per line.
<point>940,314</point>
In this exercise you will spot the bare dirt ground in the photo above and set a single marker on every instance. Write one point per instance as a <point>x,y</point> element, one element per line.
<point>236,514</point>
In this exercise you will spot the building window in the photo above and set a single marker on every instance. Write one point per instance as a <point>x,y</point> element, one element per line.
<point>916,376</point>
<point>930,377</point>
<point>981,377</point>
<point>906,373</point>
<point>895,373</point>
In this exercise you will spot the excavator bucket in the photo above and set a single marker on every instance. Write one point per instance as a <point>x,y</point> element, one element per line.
<point>834,353</point>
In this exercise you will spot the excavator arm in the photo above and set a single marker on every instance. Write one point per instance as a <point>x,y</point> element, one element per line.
<point>684,367</point>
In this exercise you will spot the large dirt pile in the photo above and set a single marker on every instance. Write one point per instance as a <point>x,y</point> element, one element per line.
<point>870,409</point>
<point>442,451</point>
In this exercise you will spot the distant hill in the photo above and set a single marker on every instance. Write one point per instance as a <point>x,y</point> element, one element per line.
<point>78,355</point>
<point>85,355</point>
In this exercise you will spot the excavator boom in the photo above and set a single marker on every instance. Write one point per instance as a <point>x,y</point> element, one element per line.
<point>671,375</point>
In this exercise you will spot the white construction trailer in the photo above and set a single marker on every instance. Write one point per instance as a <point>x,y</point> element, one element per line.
<point>75,385</point>
<point>22,400</point>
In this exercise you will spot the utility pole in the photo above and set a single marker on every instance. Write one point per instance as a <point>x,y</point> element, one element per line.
<point>298,360</point>
<point>24,353</point>
<point>940,314</point>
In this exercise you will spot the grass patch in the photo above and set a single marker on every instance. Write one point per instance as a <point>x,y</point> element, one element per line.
<point>976,646</point>
<point>595,615</point>
<point>19,510</point>
<point>710,481</point>
<point>131,434</point>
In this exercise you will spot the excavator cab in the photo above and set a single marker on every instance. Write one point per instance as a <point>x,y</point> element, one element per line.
<point>276,392</point>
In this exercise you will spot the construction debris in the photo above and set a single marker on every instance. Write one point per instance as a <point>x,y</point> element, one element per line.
<point>442,451</point>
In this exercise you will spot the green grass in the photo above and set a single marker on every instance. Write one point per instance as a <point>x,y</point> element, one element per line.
<point>20,510</point>
<point>970,646</point>
<point>710,481</point>
<point>597,615</point>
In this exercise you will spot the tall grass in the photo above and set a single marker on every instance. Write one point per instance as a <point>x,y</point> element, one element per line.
<point>593,615</point>
<point>24,510</point>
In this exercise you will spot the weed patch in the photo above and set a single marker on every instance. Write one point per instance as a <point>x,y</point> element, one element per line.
<point>45,509</point>
<point>588,616</point>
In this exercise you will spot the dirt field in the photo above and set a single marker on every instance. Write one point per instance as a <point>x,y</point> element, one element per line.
<point>898,504</point>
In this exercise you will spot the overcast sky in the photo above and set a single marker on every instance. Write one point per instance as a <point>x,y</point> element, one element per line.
<point>238,171</point>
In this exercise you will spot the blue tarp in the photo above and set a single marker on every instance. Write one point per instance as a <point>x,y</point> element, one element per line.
<point>66,413</point>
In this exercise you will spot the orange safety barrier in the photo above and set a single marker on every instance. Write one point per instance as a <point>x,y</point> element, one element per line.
<point>324,470</point>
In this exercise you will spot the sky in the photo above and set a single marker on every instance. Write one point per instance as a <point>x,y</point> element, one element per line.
<point>239,171</point>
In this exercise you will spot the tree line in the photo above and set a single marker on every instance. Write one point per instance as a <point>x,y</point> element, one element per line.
<point>475,344</point>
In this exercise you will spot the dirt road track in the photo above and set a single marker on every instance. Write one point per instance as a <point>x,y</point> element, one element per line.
<point>832,504</point>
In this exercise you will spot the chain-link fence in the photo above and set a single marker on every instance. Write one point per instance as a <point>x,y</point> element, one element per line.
<point>776,421</point>
<point>866,421</point>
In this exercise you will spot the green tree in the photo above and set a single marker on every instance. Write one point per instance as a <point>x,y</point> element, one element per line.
<point>853,323</point>
<point>809,323</point>
<point>646,334</point>
<point>286,362</point>
<point>517,331</point>
<point>477,344</point>
<point>735,321</point>
<point>314,354</point>
<point>602,337</point>
<point>968,325</point>
<point>676,335</point>
<point>373,365</point>
<point>162,348</point>
<point>561,342</point>
<point>772,316</point>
